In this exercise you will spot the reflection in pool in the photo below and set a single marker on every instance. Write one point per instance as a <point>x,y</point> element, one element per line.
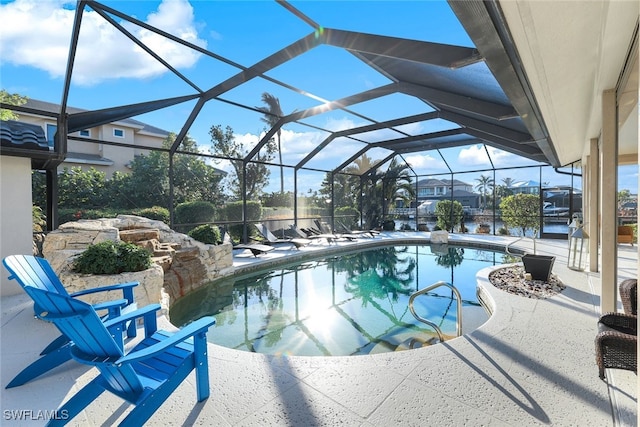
<point>350,304</point>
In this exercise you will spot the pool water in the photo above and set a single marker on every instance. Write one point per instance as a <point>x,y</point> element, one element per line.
<point>351,304</point>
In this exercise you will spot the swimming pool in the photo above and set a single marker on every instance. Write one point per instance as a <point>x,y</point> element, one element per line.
<point>350,304</point>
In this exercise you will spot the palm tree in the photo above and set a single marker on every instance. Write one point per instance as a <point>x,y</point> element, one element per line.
<point>397,183</point>
<point>484,184</point>
<point>361,165</point>
<point>508,182</point>
<point>273,113</point>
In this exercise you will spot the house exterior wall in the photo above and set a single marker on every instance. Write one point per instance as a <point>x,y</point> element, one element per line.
<point>16,228</point>
<point>119,157</point>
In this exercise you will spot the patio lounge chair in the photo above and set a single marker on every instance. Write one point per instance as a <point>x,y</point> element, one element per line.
<point>617,339</point>
<point>365,233</point>
<point>255,248</point>
<point>273,240</point>
<point>36,272</point>
<point>310,233</point>
<point>146,375</point>
<point>324,228</point>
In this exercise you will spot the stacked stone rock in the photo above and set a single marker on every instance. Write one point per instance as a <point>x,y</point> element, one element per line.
<point>180,263</point>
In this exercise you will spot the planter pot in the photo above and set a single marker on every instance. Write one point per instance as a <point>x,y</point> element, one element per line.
<point>483,229</point>
<point>539,266</point>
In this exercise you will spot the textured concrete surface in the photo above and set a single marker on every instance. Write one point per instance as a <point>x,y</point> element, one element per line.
<point>532,363</point>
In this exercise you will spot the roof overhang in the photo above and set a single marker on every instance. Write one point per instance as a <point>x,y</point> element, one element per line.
<point>554,59</point>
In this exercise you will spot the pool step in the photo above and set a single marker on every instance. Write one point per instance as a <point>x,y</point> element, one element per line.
<point>405,340</point>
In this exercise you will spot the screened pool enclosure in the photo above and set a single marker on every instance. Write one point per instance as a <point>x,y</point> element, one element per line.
<point>355,126</point>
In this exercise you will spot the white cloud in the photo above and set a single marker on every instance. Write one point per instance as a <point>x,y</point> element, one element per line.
<point>425,161</point>
<point>500,157</point>
<point>473,155</point>
<point>37,33</point>
<point>336,125</point>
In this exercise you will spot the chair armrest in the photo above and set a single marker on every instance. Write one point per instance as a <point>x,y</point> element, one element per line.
<point>195,329</point>
<point>127,290</point>
<point>626,323</point>
<point>114,306</point>
<point>147,313</point>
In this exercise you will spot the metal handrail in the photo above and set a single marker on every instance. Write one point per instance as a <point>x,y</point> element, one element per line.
<point>433,325</point>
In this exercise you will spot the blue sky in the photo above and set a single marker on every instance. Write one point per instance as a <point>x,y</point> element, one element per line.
<point>111,71</point>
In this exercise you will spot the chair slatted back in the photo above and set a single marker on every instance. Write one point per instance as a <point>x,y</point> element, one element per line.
<point>29,270</point>
<point>93,343</point>
<point>266,232</point>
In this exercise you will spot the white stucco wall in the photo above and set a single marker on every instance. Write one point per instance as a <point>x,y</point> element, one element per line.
<point>15,215</point>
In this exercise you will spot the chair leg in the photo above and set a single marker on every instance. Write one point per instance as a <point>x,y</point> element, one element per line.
<point>43,364</point>
<point>201,365</point>
<point>55,344</point>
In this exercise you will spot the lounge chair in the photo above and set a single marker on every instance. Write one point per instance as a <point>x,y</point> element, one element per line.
<point>617,339</point>
<point>273,240</point>
<point>255,248</point>
<point>365,233</point>
<point>146,375</point>
<point>326,230</point>
<point>36,272</point>
<point>309,233</point>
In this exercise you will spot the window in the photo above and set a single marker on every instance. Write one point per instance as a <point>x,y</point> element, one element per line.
<point>118,133</point>
<point>51,133</point>
<point>85,132</point>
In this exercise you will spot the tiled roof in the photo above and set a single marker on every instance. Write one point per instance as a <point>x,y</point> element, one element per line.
<point>22,136</point>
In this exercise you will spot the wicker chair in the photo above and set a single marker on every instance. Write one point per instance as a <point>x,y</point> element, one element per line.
<point>617,339</point>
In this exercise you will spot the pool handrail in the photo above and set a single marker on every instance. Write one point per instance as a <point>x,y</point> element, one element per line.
<point>433,325</point>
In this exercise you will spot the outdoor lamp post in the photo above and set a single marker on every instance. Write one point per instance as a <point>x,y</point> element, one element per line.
<point>577,247</point>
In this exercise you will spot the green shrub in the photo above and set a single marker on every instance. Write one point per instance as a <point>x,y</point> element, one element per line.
<point>233,211</point>
<point>389,225</point>
<point>503,231</point>
<point>448,214</point>
<point>206,234</point>
<point>39,219</point>
<point>111,257</point>
<point>195,212</point>
<point>157,213</point>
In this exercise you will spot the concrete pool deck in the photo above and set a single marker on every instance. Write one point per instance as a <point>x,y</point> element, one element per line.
<point>531,363</point>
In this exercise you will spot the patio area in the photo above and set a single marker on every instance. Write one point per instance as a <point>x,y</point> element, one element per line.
<point>532,363</point>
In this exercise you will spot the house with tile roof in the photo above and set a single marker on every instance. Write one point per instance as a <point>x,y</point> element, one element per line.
<point>108,148</point>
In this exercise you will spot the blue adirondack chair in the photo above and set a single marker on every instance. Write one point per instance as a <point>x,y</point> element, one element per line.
<point>32,271</point>
<point>146,375</point>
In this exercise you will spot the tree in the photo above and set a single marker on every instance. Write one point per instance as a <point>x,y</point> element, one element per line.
<point>448,214</point>
<point>272,115</point>
<point>10,99</point>
<point>485,183</point>
<point>345,189</point>
<point>521,211</point>
<point>397,184</point>
<point>257,174</point>
<point>624,196</point>
<point>346,186</point>
<point>193,178</point>
<point>508,182</point>
<point>383,188</point>
<point>147,185</point>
